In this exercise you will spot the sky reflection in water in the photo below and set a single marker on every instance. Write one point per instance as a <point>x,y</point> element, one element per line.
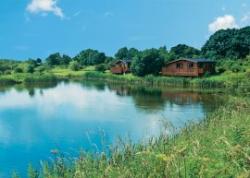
<point>71,116</point>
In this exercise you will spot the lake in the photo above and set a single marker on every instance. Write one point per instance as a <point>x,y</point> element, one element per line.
<point>70,116</point>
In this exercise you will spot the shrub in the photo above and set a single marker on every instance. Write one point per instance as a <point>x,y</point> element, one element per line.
<point>41,69</point>
<point>30,68</point>
<point>74,65</point>
<point>7,72</point>
<point>18,70</point>
<point>236,68</point>
<point>101,67</point>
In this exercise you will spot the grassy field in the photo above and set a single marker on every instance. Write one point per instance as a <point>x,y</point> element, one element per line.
<point>217,147</point>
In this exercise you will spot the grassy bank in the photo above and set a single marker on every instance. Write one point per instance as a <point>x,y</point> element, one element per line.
<point>217,147</point>
<point>228,80</point>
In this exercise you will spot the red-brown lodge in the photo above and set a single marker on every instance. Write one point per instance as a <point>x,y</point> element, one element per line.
<point>189,67</point>
<point>120,67</point>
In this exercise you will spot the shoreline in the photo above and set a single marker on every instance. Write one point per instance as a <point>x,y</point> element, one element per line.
<point>217,146</point>
<point>241,85</point>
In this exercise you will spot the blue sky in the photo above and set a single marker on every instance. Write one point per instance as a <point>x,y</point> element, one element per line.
<point>36,28</point>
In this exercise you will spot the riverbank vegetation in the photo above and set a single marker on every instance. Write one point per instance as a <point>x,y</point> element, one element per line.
<point>216,147</point>
<point>229,48</point>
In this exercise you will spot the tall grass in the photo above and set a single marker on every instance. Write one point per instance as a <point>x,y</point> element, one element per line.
<point>217,147</point>
<point>8,81</point>
<point>239,82</point>
<point>40,78</point>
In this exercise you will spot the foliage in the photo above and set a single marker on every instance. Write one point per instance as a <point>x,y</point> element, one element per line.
<point>40,78</point>
<point>30,68</point>
<point>184,51</point>
<point>148,62</point>
<point>74,65</point>
<point>90,57</point>
<point>230,43</point>
<point>18,70</point>
<point>57,59</point>
<point>7,65</point>
<point>216,147</point>
<point>126,54</point>
<point>101,68</point>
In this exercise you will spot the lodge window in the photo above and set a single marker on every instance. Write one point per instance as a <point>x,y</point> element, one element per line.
<point>179,66</point>
<point>190,65</point>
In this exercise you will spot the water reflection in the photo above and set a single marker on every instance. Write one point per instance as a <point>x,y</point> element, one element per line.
<point>68,116</point>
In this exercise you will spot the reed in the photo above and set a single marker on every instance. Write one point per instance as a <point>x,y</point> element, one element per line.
<point>216,147</point>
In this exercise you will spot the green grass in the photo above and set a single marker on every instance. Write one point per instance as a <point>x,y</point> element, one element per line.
<point>228,80</point>
<point>217,147</point>
<point>231,81</point>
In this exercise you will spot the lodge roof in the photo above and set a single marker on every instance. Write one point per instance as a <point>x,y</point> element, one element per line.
<point>199,60</point>
<point>120,61</point>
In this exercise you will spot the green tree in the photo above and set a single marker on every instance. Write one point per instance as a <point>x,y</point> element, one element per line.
<point>90,57</point>
<point>148,62</point>
<point>18,70</point>
<point>39,61</point>
<point>122,53</point>
<point>74,65</point>
<point>184,51</point>
<point>230,43</point>
<point>30,68</point>
<point>65,60</point>
<point>101,67</point>
<point>54,59</point>
<point>126,54</point>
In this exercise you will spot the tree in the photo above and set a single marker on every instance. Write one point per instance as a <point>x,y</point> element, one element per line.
<point>18,70</point>
<point>230,43</point>
<point>100,67</point>
<point>122,53</point>
<point>65,60</point>
<point>126,54</point>
<point>54,59</point>
<point>74,65</point>
<point>148,62</point>
<point>30,68</point>
<point>184,51</point>
<point>90,57</point>
<point>39,61</point>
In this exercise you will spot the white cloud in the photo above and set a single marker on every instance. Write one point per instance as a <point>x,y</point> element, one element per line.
<point>45,6</point>
<point>223,22</point>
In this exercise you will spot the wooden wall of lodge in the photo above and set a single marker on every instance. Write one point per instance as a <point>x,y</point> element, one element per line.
<point>187,68</point>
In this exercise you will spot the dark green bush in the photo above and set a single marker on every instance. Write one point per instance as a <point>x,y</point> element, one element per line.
<point>18,70</point>
<point>101,67</point>
<point>74,65</point>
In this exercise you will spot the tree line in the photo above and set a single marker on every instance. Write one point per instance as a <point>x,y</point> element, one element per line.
<point>224,45</point>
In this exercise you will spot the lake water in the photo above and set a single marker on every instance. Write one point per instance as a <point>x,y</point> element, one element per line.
<point>90,115</point>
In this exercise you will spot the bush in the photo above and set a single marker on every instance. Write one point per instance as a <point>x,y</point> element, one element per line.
<point>74,65</point>
<point>30,68</point>
<point>221,70</point>
<point>41,69</point>
<point>236,68</point>
<point>101,67</point>
<point>7,72</point>
<point>18,70</point>
<point>149,62</point>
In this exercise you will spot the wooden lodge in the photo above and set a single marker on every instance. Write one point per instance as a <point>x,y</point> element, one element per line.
<point>120,67</point>
<point>189,67</point>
